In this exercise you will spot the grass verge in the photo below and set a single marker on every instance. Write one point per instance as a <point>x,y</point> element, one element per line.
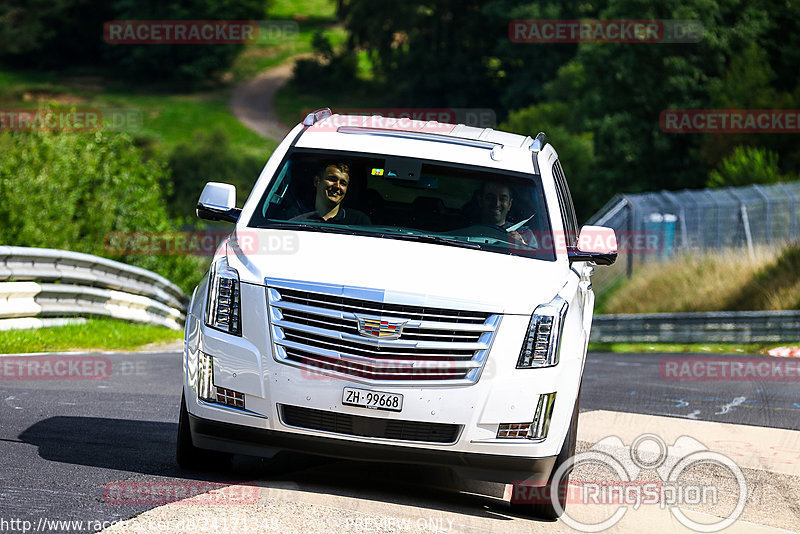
<point>720,281</point>
<point>168,119</point>
<point>697,348</point>
<point>105,334</point>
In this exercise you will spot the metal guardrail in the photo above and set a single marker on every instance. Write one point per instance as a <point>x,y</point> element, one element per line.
<point>40,282</point>
<point>698,327</point>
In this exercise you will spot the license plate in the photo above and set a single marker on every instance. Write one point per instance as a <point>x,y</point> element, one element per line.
<point>376,400</point>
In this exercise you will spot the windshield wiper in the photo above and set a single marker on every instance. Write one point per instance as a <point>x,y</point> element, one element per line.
<point>285,225</point>
<point>341,230</point>
<point>432,239</point>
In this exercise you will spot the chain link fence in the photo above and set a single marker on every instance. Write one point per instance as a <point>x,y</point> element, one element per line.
<point>656,226</point>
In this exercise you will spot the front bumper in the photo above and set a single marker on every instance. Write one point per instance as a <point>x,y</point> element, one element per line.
<point>227,437</point>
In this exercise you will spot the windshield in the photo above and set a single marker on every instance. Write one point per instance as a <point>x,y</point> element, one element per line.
<point>406,198</point>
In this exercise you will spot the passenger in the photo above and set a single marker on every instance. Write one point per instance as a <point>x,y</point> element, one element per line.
<point>331,187</point>
<point>494,203</point>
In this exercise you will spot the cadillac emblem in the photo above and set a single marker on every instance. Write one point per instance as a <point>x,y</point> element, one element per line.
<point>380,328</point>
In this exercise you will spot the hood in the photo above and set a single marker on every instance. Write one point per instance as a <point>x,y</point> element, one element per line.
<point>440,275</point>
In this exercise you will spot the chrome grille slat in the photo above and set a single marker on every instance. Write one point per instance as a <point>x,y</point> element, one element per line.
<point>386,309</point>
<point>379,364</point>
<point>311,342</point>
<point>315,326</point>
<point>350,316</point>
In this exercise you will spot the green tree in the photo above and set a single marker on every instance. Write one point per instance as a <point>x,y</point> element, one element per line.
<point>68,33</point>
<point>575,150</point>
<point>523,69</point>
<point>71,190</point>
<point>427,53</point>
<point>750,82</point>
<point>208,157</point>
<point>626,86</point>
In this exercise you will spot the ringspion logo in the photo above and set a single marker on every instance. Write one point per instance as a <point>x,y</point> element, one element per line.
<point>679,485</point>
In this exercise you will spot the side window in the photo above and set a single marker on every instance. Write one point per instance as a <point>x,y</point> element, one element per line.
<point>567,208</point>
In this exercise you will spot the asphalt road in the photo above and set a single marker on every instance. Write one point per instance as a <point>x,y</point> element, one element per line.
<point>63,441</point>
<point>678,385</point>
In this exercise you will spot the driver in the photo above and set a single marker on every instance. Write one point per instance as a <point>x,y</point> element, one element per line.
<point>331,187</point>
<point>494,202</point>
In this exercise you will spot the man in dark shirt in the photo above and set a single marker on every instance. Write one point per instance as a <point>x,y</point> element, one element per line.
<point>331,187</point>
<point>494,202</point>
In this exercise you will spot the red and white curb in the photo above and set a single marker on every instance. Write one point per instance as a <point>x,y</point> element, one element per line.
<point>785,352</point>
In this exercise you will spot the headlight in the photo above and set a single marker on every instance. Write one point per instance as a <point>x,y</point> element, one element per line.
<point>224,308</point>
<point>540,348</point>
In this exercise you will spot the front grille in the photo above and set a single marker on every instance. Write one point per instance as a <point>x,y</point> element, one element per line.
<point>317,326</point>
<point>368,427</point>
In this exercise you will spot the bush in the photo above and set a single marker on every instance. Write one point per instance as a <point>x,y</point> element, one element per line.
<point>744,166</point>
<point>70,190</point>
<point>208,158</point>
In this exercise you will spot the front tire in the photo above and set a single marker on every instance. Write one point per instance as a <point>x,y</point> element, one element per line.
<point>544,508</point>
<point>192,458</point>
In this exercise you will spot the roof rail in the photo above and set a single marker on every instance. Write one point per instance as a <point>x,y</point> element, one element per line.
<point>539,142</point>
<point>317,116</point>
<point>420,136</point>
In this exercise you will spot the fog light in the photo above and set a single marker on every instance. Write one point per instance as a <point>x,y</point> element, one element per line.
<point>536,429</point>
<point>514,430</point>
<point>230,397</point>
<point>205,378</point>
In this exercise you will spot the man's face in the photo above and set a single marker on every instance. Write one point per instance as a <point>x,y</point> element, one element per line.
<point>332,185</point>
<point>495,201</point>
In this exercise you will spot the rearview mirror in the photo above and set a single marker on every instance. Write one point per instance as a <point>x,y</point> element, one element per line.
<point>218,203</point>
<point>597,244</point>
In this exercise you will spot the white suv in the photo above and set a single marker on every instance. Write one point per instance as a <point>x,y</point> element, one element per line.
<point>395,291</point>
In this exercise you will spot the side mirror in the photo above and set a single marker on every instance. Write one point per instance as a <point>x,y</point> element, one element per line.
<point>597,244</point>
<point>218,203</point>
